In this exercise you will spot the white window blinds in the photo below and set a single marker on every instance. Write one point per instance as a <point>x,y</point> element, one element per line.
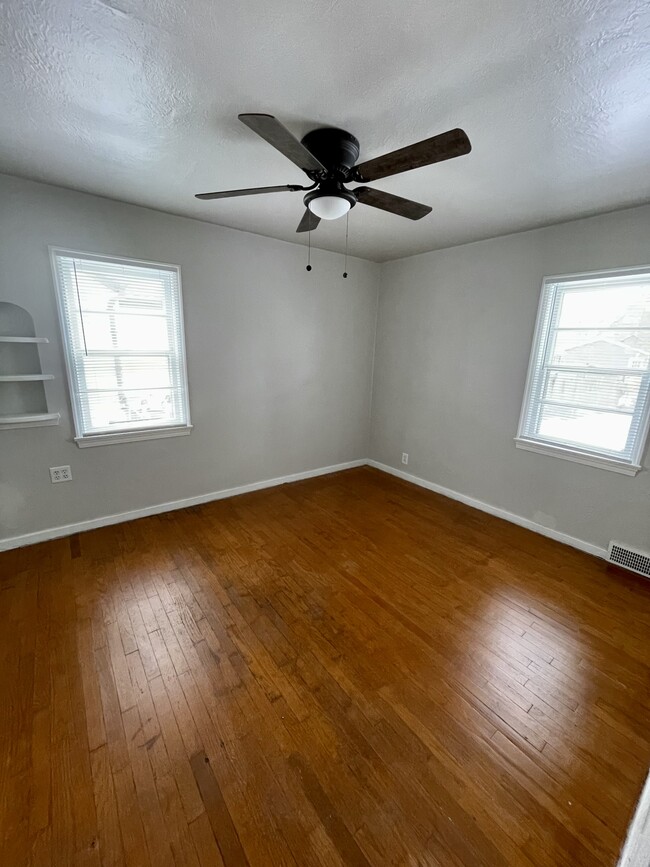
<point>589,376</point>
<point>122,323</point>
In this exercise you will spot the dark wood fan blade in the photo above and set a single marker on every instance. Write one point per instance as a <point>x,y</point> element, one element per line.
<point>250,191</point>
<point>441,147</point>
<point>388,202</point>
<point>309,222</point>
<point>276,134</point>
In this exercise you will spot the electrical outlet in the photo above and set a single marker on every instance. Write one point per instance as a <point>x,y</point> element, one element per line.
<point>405,458</point>
<point>60,474</point>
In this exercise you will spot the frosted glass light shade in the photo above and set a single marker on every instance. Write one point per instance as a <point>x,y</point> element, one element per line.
<point>329,207</point>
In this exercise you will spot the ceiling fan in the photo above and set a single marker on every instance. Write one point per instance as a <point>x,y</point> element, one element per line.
<point>328,156</point>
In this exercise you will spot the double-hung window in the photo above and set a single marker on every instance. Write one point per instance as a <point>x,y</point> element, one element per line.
<point>122,326</point>
<point>588,391</point>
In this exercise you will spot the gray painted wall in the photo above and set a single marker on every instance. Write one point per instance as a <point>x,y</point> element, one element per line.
<point>280,364</point>
<point>279,360</point>
<point>453,341</point>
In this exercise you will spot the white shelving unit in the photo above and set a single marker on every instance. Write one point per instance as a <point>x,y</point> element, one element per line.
<point>28,419</point>
<point>27,377</point>
<point>23,402</point>
<point>12,339</point>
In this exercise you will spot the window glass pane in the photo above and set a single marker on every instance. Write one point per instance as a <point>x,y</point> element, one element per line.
<point>601,430</point>
<point>592,389</point>
<point>127,372</point>
<point>111,331</point>
<point>131,409</point>
<point>605,307</point>
<point>105,286</point>
<point>625,350</point>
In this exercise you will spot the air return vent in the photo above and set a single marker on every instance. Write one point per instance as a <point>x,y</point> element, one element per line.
<point>629,558</point>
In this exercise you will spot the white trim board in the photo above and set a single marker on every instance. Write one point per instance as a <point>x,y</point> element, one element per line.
<point>121,517</point>
<point>105,521</point>
<point>580,544</point>
<point>636,851</point>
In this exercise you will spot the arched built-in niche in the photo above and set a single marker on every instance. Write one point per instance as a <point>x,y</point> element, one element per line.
<point>23,402</point>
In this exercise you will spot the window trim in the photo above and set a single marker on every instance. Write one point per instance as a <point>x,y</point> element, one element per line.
<point>129,434</point>
<point>589,457</point>
<point>132,436</point>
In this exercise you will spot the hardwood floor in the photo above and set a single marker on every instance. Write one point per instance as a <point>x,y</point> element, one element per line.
<point>347,670</point>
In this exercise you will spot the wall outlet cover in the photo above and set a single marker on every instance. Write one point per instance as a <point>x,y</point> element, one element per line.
<point>405,458</point>
<point>60,474</point>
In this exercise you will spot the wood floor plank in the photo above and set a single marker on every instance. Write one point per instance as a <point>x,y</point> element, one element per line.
<point>205,843</point>
<point>220,819</point>
<point>347,670</point>
<point>92,694</point>
<point>336,830</point>
<point>155,829</point>
<point>192,803</point>
<point>110,838</point>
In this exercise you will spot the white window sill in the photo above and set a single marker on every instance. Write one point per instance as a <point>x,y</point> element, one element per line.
<point>578,457</point>
<point>132,436</point>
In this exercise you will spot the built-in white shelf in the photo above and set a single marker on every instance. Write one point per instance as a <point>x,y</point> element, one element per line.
<point>29,419</point>
<point>27,377</point>
<point>9,339</point>
<point>23,401</point>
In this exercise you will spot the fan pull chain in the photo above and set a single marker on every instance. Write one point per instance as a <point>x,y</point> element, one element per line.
<point>345,261</point>
<point>309,245</point>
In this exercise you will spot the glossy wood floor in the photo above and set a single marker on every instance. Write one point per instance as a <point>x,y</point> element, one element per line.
<point>347,670</point>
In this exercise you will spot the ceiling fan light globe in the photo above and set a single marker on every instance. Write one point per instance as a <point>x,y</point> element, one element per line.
<point>329,207</point>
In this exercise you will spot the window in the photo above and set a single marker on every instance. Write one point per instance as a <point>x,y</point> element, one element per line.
<point>122,325</point>
<point>587,394</point>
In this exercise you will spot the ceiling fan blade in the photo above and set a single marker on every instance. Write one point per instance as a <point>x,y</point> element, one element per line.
<point>250,191</point>
<point>388,202</point>
<point>309,222</point>
<point>276,134</point>
<point>445,146</point>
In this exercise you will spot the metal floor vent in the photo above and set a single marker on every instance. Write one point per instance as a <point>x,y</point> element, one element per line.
<point>628,558</point>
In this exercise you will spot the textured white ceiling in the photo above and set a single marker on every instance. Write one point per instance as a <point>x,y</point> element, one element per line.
<point>138,100</point>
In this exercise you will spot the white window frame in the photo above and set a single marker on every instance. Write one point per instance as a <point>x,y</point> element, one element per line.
<point>591,457</point>
<point>125,435</point>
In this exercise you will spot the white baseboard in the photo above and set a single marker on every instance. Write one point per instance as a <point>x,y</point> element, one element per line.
<point>580,544</point>
<point>636,851</point>
<point>105,521</point>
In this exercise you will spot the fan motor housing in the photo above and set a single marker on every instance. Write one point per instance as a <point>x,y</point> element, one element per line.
<point>336,149</point>
<point>330,188</point>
